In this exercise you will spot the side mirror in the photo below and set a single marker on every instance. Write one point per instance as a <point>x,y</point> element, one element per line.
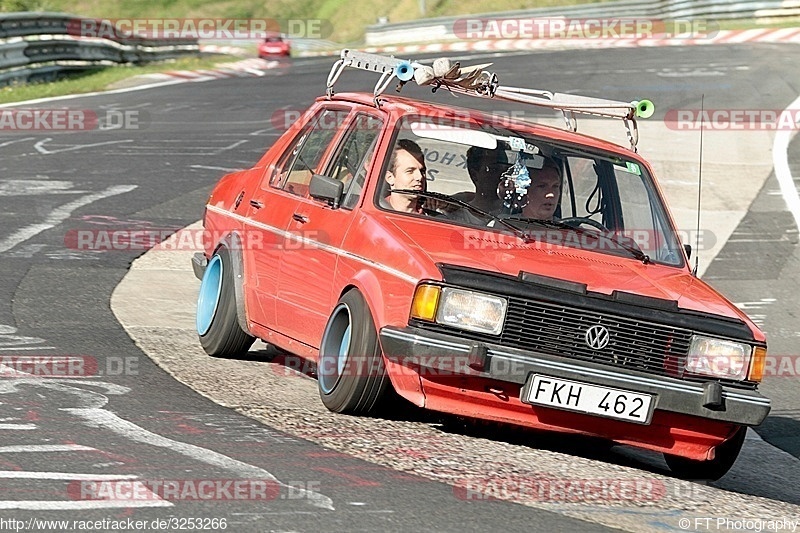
<point>326,188</point>
<point>688,248</point>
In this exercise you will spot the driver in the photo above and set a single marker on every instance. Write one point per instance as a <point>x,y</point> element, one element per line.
<point>406,171</point>
<point>544,192</point>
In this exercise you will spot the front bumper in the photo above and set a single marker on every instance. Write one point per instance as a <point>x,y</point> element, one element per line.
<point>437,354</point>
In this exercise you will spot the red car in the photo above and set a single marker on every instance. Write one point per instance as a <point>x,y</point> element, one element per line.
<point>274,45</point>
<point>480,266</point>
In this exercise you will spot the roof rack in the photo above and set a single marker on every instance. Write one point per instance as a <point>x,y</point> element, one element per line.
<point>476,81</point>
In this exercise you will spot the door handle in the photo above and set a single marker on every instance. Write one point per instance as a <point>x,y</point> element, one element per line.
<point>300,218</point>
<point>257,204</point>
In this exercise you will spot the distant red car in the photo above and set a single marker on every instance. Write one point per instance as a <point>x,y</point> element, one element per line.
<point>274,45</point>
<point>587,319</point>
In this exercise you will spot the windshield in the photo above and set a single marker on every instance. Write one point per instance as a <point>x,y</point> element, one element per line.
<point>502,178</point>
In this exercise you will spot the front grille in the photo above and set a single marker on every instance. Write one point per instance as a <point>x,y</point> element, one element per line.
<point>561,330</point>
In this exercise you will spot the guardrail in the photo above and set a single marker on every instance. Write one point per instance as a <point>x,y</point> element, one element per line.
<point>41,46</point>
<point>442,29</point>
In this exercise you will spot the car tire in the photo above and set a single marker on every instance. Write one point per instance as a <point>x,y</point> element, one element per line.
<point>725,455</point>
<point>216,321</point>
<point>351,372</point>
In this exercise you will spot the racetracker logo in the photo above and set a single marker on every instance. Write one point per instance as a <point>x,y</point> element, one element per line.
<point>283,119</point>
<point>425,366</point>
<point>70,120</point>
<point>189,240</point>
<point>176,490</point>
<point>595,29</point>
<point>733,119</point>
<point>198,28</point>
<point>66,366</point>
<point>552,239</point>
<point>560,490</point>
<point>781,366</point>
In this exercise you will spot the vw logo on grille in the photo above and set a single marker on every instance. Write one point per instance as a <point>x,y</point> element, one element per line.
<point>597,337</point>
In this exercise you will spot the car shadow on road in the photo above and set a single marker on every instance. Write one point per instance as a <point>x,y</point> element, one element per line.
<point>742,478</point>
<point>782,432</point>
<point>751,474</point>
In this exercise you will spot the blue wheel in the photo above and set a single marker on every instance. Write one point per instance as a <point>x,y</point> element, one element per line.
<point>217,322</point>
<point>208,299</point>
<point>333,358</point>
<point>351,373</point>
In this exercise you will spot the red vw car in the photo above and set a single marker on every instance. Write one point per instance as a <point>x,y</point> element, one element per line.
<point>482,267</point>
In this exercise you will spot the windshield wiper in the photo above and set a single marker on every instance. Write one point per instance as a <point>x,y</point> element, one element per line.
<point>452,200</point>
<point>634,251</point>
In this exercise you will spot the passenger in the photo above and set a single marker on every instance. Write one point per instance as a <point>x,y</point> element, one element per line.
<point>544,192</point>
<point>485,169</point>
<point>406,171</point>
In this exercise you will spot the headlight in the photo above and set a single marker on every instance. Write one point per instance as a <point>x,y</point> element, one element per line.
<point>460,308</point>
<point>718,358</point>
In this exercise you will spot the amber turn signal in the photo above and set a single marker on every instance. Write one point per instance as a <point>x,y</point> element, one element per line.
<point>426,299</point>
<point>757,364</point>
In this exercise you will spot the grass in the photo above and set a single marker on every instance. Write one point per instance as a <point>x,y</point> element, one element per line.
<point>747,24</point>
<point>100,78</point>
<point>346,19</point>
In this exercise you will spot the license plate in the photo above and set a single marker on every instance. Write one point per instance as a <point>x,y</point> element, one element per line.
<point>586,398</point>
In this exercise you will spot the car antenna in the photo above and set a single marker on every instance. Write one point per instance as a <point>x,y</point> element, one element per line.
<point>699,188</point>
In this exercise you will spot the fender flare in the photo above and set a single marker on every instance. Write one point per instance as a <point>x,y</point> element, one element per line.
<point>233,243</point>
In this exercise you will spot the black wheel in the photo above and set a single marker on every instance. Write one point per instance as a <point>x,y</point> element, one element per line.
<point>577,221</point>
<point>351,374</point>
<point>217,326</point>
<point>725,455</point>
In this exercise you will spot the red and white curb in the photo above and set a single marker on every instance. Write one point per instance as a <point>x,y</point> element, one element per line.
<point>245,68</point>
<point>757,35</point>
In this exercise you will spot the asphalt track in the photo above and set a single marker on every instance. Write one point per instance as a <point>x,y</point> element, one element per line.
<point>129,418</point>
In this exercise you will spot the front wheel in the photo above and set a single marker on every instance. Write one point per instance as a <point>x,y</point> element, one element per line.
<point>724,456</point>
<point>351,373</point>
<point>217,324</point>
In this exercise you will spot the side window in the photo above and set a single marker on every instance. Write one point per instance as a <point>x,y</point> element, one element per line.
<point>642,221</point>
<point>350,165</point>
<point>306,154</point>
<point>582,196</point>
<point>281,169</point>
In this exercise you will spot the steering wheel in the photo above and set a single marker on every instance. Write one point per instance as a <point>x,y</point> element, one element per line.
<point>577,221</point>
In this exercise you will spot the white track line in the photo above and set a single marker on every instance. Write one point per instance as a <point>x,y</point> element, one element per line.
<point>34,505</point>
<point>58,215</point>
<point>38,448</point>
<point>780,161</point>
<point>111,422</point>
<point>63,476</point>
